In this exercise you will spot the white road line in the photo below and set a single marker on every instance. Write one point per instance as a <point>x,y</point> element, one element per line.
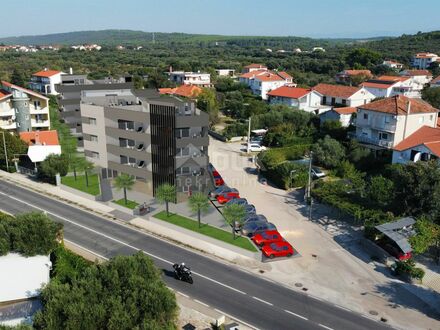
<point>201,303</point>
<point>324,326</point>
<point>236,319</point>
<point>297,315</point>
<point>263,301</point>
<point>344,308</point>
<point>182,294</point>
<point>87,250</point>
<point>116,240</point>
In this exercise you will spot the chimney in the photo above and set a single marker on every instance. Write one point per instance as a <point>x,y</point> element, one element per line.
<point>45,69</point>
<point>70,70</point>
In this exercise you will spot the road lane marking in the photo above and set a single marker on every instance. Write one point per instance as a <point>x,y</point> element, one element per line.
<point>325,327</point>
<point>182,294</point>
<point>236,319</point>
<point>263,301</point>
<point>201,303</point>
<point>297,315</point>
<point>117,241</point>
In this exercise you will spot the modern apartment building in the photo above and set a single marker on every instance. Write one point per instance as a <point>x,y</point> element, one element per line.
<point>424,60</point>
<point>157,139</point>
<point>383,124</point>
<point>22,110</point>
<point>70,98</point>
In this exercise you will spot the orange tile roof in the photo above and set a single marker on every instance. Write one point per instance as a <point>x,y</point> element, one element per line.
<point>383,82</point>
<point>252,74</point>
<point>336,90</point>
<point>269,76</point>
<point>284,75</point>
<point>413,73</point>
<point>345,110</point>
<point>398,105</point>
<point>46,73</point>
<point>4,94</point>
<point>357,72</point>
<point>49,138</point>
<point>392,78</point>
<point>289,92</point>
<point>427,136</point>
<point>8,84</point>
<point>189,91</point>
<point>425,55</point>
<point>255,66</point>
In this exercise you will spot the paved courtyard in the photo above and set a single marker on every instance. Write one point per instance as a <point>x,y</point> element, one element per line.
<point>332,265</point>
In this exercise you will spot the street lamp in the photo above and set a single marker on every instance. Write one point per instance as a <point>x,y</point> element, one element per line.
<point>308,195</point>
<point>6,151</point>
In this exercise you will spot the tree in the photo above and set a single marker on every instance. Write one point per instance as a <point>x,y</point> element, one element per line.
<point>363,58</point>
<point>125,293</point>
<point>86,167</point>
<point>432,96</point>
<point>125,182</point>
<point>328,152</point>
<point>18,78</point>
<point>31,233</point>
<point>166,193</point>
<point>207,101</point>
<point>234,214</point>
<point>427,234</point>
<point>14,146</point>
<point>356,180</point>
<point>198,203</point>
<point>53,165</point>
<point>77,163</point>
<point>381,190</point>
<point>4,240</point>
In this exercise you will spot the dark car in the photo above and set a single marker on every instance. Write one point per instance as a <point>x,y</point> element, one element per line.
<point>238,201</point>
<point>218,181</point>
<point>251,218</point>
<point>250,209</point>
<point>220,190</point>
<point>250,228</point>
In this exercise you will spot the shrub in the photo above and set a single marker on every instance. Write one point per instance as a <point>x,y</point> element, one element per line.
<point>328,152</point>
<point>408,267</point>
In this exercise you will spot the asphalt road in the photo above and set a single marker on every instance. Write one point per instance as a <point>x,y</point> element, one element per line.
<point>252,300</point>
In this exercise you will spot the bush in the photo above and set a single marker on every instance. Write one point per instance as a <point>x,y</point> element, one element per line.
<point>328,152</point>
<point>53,165</point>
<point>408,268</point>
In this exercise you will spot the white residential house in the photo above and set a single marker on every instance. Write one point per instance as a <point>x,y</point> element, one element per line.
<point>301,98</point>
<point>392,64</point>
<point>343,115</point>
<point>263,81</point>
<point>225,73</point>
<point>435,82</point>
<point>345,96</point>
<point>386,122</point>
<point>255,67</point>
<point>44,81</point>
<point>422,145</point>
<point>419,77</point>
<point>424,60</point>
<point>387,86</point>
<point>199,79</point>
<point>22,110</point>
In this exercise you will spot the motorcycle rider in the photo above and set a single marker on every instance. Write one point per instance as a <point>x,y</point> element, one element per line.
<point>183,269</point>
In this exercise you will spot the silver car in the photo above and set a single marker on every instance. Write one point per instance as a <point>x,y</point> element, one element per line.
<point>250,218</point>
<point>238,201</point>
<point>249,229</point>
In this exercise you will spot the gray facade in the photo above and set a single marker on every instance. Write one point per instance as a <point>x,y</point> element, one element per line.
<point>157,139</point>
<point>70,98</point>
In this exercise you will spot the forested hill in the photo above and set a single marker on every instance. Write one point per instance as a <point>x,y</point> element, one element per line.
<point>129,37</point>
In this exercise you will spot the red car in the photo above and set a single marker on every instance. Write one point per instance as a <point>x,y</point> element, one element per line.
<point>226,197</point>
<point>278,249</point>
<point>215,173</point>
<point>266,237</point>
<point>218,181</point>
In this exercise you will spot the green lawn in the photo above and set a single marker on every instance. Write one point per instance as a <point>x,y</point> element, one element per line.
<point>80,183</point>
<point>130,204</point>
<point>225,236</point>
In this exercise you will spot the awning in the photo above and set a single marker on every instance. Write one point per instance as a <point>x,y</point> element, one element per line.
<point>399,231</point>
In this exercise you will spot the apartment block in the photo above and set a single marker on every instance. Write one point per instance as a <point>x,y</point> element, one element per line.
<point>22,110</point>
<point>69,98</point>
<point>158,139</point>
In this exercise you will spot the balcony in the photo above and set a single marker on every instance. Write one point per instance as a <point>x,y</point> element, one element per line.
<point>8,124</point>
<point>38,110</point>
<point>374,141</point>
<point>377,124</point>
<point>39,123</point>
<point>7,113</point>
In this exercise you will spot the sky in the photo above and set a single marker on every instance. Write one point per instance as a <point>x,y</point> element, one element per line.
<point>310,18</point>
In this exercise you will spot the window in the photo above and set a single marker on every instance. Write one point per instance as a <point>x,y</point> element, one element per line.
<point>123,159</point>
<point>431,117</point>
<point>366,116</point>
<point>185,170</point>
<point>383,136</point>
<point>182,133</point>
<point>36,104</point>
<point>387,119</point>
<point>94,138</point>
<point>182,152</point>
<point>92,121</point>
<point>344,102</point>
<point>421,119</point>
<point>95,155</point>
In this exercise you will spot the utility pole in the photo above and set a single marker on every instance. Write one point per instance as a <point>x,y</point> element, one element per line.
<point>6,151</point>
<point>154,39</point>
<point>249,135</point>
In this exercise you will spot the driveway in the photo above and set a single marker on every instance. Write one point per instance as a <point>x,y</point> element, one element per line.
<point>326,269</point>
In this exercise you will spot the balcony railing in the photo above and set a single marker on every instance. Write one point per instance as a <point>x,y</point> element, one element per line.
<point>374,141</point>
<point>378,125</point>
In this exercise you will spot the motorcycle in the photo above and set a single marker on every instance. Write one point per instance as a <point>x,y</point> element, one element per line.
<point>182,275</point>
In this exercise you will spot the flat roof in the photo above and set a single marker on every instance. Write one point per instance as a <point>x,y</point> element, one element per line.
<point>399,231</point>
<point>22,277</point>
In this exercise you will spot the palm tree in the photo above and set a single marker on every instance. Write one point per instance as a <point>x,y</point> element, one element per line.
<point>233,215</point>
<point>87,166</point>
<point>198,203</point>
<point>166,193</point>
<point>125,182</point>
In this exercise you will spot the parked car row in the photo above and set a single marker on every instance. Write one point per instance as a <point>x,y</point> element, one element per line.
<point>263,233</point>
